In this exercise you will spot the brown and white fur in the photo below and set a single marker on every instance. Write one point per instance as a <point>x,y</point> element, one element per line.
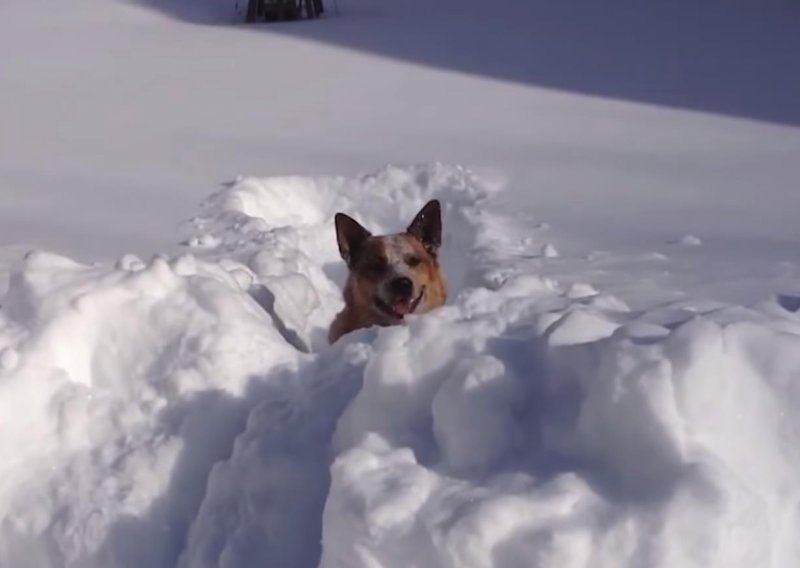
<point>390,276</point>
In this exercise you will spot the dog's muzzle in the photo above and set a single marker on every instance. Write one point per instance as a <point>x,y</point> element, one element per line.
<point>401,306</point>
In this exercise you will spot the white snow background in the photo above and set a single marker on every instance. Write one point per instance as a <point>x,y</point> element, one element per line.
<point>614,382</point>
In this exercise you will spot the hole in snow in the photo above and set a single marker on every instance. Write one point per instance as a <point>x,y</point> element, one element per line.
<point>281,229</point>
<point>789,302</point>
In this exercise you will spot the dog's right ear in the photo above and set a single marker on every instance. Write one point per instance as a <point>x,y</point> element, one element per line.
<point>350,236</point>
<point>427,227</point>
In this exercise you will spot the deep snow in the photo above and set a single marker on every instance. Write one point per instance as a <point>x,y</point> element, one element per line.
<point>174,402</point>
<point>613,383</point>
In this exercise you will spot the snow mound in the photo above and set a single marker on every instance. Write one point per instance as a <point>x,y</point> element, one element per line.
<point>192,405</point>
<point>489,446</point>
<point>120,388</point>
<point>280,230</point>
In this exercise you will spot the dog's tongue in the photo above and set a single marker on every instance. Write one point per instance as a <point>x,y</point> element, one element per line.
<point>401,307</point>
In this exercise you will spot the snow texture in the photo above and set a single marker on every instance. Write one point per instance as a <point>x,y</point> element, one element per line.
<point>613,383</point>
<point>189,403</point>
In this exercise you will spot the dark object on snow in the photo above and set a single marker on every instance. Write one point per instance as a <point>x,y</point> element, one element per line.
<point>282,10</point>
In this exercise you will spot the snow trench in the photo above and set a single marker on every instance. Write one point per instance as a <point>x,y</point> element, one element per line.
<point>188,412</point>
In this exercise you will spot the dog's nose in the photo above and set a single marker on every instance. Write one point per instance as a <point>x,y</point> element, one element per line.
<point>401,286</point>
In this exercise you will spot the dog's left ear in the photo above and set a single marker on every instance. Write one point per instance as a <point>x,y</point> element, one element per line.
<point>350,236</point>
<point>427,227</point>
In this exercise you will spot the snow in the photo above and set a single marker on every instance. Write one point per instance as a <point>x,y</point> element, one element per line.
<point>523,422</point>
<point>689,241</point>
<point>549,251</point>
<point>612,383</point>
<point>116,107</point>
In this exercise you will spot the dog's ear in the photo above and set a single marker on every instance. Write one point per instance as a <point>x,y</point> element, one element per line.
<point>427,226</point>
<point>350,236</point>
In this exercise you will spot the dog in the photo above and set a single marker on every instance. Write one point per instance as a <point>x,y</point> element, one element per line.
<point>389,276</point>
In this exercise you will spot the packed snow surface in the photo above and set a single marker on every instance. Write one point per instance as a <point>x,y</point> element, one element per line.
<point>623,125</point>
<point>186,411</point>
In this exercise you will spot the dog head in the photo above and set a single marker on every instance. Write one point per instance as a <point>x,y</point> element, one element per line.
<point>392,276</point>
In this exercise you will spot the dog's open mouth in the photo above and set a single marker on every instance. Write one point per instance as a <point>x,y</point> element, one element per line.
<point>400,308</point>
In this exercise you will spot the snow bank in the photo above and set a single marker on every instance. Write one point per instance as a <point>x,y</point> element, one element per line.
<point>120,388</point>
<point>191,404</point>
<point>281,231</point>
<point>482,444</point>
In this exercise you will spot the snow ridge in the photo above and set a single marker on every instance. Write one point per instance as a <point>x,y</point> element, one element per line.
<point>187,412</point>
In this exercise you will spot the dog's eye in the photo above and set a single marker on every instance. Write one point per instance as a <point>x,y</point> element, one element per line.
<point>413,261</point>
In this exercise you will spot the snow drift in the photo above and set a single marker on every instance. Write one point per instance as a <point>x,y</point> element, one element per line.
<point>187,412</point>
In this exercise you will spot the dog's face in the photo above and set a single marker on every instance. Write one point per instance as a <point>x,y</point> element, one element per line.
<point>392,276</point>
